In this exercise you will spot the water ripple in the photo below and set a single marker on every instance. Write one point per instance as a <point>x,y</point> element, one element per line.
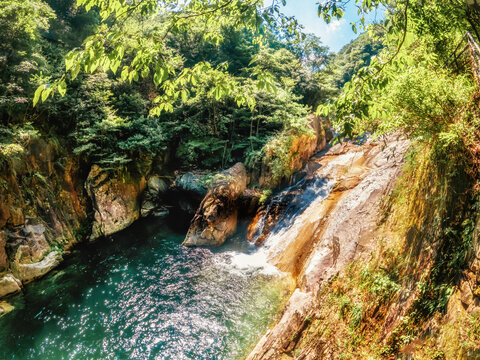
<point>143,296</point>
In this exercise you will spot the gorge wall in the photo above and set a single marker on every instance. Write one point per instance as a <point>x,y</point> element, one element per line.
<point>50,200</point>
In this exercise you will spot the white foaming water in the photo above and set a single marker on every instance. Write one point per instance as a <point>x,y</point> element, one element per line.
<point>297,214</point>
<point>252,263</point>
<point>281,236</point>
<point>258,261</point>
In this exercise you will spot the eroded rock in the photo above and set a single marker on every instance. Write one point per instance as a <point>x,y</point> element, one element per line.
<point>29,272</point>
<point>216,218</point>
<point>9,285</point>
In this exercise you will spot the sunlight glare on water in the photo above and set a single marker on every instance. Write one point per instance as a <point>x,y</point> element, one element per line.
<point>144,296</point>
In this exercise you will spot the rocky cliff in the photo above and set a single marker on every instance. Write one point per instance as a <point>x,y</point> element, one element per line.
<point>49,201</point>
<point>329,233</point>
<point>387,264</point>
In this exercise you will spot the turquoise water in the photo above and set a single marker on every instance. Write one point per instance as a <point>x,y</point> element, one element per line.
<point>141,295</point>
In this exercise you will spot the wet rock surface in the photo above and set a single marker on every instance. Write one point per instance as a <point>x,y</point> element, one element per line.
<point>27,272</point>
<point>330,231</point>
<point>9,285</point>
<point>216,218</point>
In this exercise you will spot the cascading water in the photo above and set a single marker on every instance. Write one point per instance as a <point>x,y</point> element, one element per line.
<point>299,207</point>
<point>296,200</point>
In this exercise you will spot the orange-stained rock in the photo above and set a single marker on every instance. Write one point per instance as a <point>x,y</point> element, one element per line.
<point>216,218</point>
<point>302,147</point>
<point>116,203</point>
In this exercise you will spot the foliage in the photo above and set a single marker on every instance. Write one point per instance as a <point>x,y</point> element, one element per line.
<point>231,87</point>
<point>419,39</point>
<point>132,40</point>
<point>20,25</point>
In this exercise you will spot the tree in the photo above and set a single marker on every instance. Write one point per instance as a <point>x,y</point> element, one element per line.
<point>133,39</point>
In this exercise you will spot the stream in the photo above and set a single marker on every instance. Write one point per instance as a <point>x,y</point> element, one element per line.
<point>141,295</point>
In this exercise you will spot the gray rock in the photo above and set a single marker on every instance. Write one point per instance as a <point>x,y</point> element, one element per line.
<point>195,183</point>
<point>147,208</point>
<point>156,185</point>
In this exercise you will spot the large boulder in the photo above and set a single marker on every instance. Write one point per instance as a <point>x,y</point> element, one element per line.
<point>216,218</point>
<point>116,201</point>
<point>152,197</point>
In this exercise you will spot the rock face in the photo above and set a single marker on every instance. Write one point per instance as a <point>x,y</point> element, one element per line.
<point>42,210</point>
<point>116,203</point>
<point>216,218</point>
<point>330,232</point>
<point>46,196</point>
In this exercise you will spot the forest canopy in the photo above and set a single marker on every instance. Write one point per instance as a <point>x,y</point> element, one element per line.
<point>212,83</point>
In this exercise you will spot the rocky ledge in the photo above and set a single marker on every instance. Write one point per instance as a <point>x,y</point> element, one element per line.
<point>216,218</point>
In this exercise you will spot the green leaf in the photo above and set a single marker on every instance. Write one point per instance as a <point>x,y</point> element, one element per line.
<point>124,73</point>
<point>46,92</point>
<point>184,96</point>
<point>62,88</point>
<point>38,92</point>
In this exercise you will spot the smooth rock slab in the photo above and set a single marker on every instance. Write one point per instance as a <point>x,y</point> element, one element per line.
<point>9,285</point>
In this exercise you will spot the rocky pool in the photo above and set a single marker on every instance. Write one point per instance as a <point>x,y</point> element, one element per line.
<point>141,295</point>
